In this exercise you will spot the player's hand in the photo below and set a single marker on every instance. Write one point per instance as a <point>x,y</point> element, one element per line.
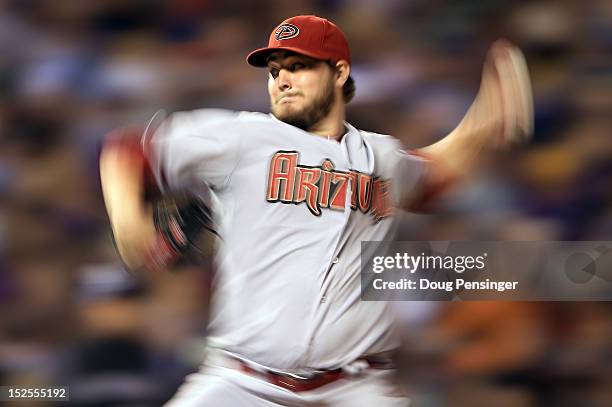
<point>506,89</point>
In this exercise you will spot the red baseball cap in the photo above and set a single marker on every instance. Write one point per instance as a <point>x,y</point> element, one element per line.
<point>312,36</point>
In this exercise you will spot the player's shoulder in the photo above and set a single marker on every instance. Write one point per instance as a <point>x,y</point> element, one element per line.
<point>190,121</point>
<point>379,140</point>
<point>210,116</point>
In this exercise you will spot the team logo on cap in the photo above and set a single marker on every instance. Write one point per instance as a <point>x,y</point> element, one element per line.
<point>286,31</point>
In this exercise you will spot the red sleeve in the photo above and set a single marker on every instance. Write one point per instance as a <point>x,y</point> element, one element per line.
<point>129,140</point>
<point>431,187</point>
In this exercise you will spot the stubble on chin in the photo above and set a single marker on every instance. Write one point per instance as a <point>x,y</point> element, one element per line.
<point>307,116</point>
<point>289,115</point>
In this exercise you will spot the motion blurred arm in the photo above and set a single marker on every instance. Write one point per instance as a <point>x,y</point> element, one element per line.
<point>122,175</point>
<point>500,116</point>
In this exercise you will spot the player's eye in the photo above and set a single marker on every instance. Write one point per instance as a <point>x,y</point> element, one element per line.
<point>274,72</point>
<point>297,66</point>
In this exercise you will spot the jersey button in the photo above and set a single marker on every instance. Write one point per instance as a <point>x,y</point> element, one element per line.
<point>323,299</point>
<point>335,260</point>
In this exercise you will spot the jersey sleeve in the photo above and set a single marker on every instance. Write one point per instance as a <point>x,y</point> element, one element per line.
<point>428,188</point>
<point>194,148</point>
<point>410,176</point>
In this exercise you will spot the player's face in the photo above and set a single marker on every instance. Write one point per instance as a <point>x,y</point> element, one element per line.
<point>301,89</point>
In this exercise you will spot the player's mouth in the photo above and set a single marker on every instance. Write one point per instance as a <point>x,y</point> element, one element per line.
<point>288,98</point>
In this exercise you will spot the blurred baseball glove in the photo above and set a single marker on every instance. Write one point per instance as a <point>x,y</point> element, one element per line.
<point>181,224</point>
<point>184,225</point>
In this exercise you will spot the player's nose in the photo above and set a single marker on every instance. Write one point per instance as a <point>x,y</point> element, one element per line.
<point>284,79</point>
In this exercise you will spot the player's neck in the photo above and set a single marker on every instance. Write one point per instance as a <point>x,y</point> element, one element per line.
<point>332,126</point>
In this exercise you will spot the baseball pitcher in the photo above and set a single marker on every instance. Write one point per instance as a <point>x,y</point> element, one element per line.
<point>293,193</point>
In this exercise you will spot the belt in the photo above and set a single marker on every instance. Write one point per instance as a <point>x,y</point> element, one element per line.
<point>298,384</point>
<point>294,383</point>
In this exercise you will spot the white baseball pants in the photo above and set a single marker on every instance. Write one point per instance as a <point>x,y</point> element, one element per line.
<point>217,385</point>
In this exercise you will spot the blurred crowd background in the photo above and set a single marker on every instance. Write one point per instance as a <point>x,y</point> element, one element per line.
<point>70,71</point>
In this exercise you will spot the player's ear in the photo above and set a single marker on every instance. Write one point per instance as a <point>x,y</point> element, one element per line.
<point>343,70</point>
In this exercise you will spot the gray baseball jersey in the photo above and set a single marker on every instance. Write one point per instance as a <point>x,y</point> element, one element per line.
<point>293,210</point>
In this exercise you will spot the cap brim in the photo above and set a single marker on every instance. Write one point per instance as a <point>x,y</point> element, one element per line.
<point>259,57</point>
